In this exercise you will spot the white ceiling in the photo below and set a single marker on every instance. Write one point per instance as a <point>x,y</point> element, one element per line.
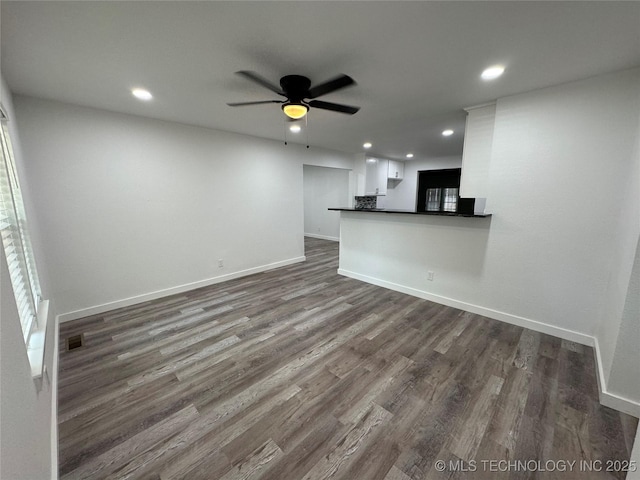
<point>417,64</point>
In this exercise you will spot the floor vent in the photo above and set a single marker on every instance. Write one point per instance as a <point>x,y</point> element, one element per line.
<point>74,342</point>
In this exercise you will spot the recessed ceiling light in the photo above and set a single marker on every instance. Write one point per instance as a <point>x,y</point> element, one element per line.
<point>295,128</point>
<point>141,94</point>
<point>367,145</point>
<point>447,132</point>
<point>492,72</point>
<point>409,155</point>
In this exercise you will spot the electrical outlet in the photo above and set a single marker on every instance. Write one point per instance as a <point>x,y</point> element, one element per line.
<point>220,263</point>
<point>430,276</point>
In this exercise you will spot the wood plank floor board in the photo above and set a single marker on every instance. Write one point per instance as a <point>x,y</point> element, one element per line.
<point>308,451</point>
<point>504,426</point>
<point>201,442</point>
<point>104,464</point>
<point>301,374</point>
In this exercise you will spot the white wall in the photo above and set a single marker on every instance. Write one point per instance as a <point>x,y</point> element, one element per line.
<point>560,158</point>
<point>559,169</point>
<point>624,376</point>
<point>619,333</point>
<point>134,208</point>
<point>635,457</point>
<point>27,433</point>
<point>25,412</point>
<point>324,188</point>
<point>401,195</point>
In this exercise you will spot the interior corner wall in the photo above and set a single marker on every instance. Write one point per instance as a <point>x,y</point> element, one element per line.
<point>561,157</point>
<point>27,436</point>
<point>324,188</point>
<point>624,377</point>
<point>133,207</point>
<point>619,331</point>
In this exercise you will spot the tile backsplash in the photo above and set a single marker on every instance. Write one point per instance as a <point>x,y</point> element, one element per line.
<point>366,202</point>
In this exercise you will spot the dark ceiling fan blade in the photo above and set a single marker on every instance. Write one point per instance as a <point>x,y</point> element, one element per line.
<point>254,77</point>
<point>331,86</point>
<point>242,104</point>
<point>335,107</point>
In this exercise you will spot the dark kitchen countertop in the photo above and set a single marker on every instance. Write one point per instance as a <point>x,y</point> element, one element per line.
<point>412,212</point>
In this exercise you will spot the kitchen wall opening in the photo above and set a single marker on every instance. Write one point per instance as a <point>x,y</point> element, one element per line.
<point>323,188</point>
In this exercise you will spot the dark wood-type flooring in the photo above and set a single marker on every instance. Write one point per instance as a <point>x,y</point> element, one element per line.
<point>299,373</point>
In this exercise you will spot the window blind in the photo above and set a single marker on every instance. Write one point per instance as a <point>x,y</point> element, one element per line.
<point>15,239</point>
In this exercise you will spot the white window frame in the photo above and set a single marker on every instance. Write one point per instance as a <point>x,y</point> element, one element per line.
<point>19,252</point>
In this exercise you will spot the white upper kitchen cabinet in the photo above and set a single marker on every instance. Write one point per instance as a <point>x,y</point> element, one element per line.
<point>396,170</point>
<point>376,174</point>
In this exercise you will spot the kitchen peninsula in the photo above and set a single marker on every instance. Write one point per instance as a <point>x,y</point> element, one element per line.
<point>412,212</point>
<point>438,256</point>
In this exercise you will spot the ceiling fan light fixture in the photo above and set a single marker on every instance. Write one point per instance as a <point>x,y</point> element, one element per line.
<point>295,110</point>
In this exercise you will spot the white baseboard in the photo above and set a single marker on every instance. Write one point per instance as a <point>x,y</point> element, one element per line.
<point>127,302</point>
<point>477,309</point>
<point>608,399</point>
<point>322,237</point>
<point>54,401</point>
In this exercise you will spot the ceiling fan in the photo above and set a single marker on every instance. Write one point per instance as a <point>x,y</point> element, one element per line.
<point>300,95</point>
